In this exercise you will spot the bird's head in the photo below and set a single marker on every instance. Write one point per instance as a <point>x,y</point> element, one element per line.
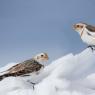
<point>79,27</point>
<point>41,57</point>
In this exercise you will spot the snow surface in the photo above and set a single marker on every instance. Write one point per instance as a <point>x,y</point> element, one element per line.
<point>68,75</point>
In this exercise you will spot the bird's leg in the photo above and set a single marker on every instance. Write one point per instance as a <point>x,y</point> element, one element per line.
<point>92,47</point>
<point>32,84</point>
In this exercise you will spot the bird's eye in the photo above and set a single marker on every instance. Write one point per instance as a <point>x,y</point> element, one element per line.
<point>78,26</point>
<point>42,55</point>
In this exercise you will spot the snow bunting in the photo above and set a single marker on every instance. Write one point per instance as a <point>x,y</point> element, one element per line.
<point>26,67</point>
<point>87,33</point>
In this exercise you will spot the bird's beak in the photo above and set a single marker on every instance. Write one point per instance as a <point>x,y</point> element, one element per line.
<point>47,58</point>
<point>74,26</point>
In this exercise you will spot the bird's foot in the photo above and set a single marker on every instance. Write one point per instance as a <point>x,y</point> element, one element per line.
<point>32,84</point>
<point>92,48</point>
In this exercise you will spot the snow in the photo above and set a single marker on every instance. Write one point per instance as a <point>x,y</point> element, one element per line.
<point>68,75</point>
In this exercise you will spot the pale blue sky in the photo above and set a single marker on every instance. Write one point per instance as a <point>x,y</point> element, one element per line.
<point>28,27</point>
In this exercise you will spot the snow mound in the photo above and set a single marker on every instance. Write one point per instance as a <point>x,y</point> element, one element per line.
<point>68,75</point>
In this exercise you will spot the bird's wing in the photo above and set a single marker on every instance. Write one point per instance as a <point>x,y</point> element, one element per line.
<point>92,34</point>
<point>25,68</point>
<point>91,28</point>
<point>16,68</point>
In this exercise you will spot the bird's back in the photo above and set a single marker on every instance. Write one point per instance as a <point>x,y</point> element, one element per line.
<point>26,67</point>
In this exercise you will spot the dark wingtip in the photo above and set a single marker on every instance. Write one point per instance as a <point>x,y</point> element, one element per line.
<point>1,78</point>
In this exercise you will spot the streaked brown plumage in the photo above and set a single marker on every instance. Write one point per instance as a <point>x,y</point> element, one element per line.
<point>26,67</point>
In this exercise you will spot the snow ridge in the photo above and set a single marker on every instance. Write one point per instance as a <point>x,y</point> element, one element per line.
<point>68,75</point>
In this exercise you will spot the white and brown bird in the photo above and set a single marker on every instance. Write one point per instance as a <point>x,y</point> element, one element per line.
<point>26,67</point>
<point>87,33</point>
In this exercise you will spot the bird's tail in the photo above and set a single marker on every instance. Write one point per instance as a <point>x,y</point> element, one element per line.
<point>1,78</point>
<point>4,76</point>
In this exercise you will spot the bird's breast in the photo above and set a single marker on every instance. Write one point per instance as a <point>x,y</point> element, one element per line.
<point>88,39</point>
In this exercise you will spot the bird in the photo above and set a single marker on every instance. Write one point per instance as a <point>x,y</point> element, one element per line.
<point>87,33</point>
<point>26,67</point>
